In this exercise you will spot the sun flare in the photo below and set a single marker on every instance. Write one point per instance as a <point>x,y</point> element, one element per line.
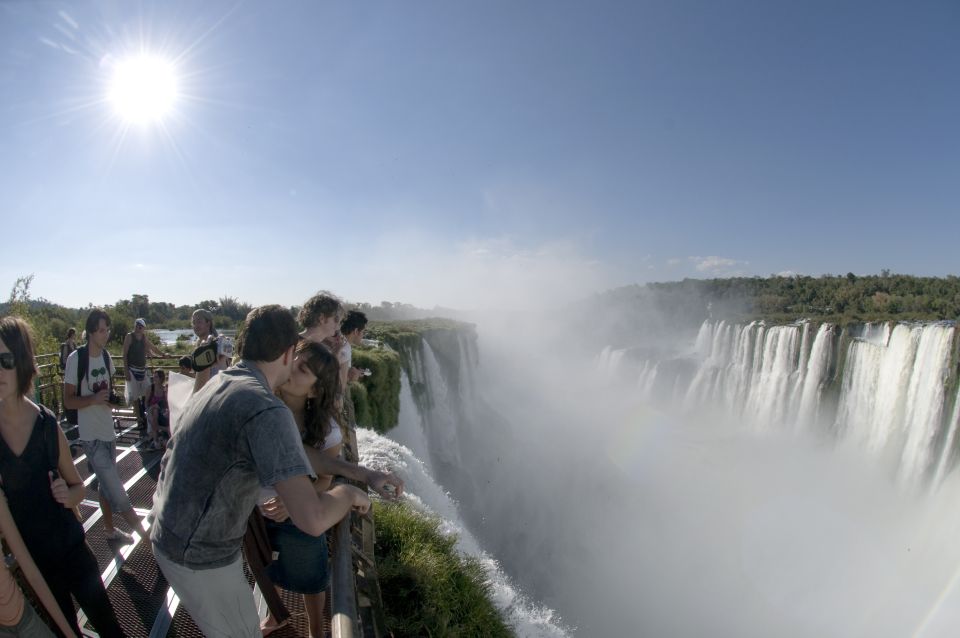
<point>143,89</point>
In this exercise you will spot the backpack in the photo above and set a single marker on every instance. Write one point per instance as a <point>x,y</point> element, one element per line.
<point>83,364</point>
<point>63,357</point>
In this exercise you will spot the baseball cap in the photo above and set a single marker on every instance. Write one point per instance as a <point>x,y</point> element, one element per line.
<point>140,322</point>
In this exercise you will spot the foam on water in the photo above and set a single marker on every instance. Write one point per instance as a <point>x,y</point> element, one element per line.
<point>527,618</point>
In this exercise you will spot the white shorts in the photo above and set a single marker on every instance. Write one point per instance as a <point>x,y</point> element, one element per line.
<point>137,388</point>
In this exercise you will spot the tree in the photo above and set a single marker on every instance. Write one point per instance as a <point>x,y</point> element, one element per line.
<point>140,305</point>
<point>20,297</point>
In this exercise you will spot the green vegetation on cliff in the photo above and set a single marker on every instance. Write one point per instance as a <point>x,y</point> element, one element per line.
<point>376,399</point>
<point>428,587</point>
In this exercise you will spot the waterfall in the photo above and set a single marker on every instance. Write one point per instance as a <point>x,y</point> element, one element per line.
<point>815,376</point>
<point>423,492</point>
<point>924,404</point>
<point>891,389</point>
<point>947,455</point>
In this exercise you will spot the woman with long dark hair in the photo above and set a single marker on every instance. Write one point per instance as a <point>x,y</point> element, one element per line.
<point>301,563</point>
<point>42,487</point>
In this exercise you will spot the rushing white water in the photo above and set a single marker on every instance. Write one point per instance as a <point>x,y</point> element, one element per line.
<point>764,374</point>
<point>527,618</point>
<point>892,397</point>
<point>634,521</point>
<point>891,389</point>
<point>946,456</point>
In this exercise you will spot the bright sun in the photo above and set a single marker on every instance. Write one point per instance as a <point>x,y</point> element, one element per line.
<point>143,89</point>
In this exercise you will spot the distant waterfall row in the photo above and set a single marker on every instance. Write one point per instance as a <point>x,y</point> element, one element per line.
<point>889,388</point>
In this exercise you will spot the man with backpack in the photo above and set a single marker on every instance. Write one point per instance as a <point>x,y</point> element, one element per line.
<point>88,389</point>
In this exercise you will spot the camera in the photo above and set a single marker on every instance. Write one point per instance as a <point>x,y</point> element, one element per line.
<point>114,399</point>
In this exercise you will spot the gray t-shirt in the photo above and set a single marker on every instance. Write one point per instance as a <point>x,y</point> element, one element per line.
<point>234,436</point>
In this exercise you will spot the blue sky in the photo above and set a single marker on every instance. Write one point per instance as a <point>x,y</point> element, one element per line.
<point>468,153</point>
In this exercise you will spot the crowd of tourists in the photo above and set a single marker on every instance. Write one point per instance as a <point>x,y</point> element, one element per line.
<point>247,471</point>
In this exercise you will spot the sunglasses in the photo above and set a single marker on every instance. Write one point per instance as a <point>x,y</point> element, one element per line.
<point>7,362</point>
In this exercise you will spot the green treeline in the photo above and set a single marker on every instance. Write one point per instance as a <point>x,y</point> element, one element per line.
<point>837,298</point>
<point>51,321</point>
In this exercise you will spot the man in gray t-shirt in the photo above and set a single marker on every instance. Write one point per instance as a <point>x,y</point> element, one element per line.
<point>235,436</point>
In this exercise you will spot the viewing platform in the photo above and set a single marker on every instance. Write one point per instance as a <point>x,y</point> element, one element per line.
<point>144,603</point>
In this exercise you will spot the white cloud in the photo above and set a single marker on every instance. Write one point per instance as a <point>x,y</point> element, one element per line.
<point>674,261</point>
<point>716,265</point>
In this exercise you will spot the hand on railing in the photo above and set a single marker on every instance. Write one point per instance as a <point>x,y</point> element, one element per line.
<point>388,485</point>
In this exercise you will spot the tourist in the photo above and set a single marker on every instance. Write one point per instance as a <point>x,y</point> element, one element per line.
<point>301,560</point>
<point>320,316</point>
<point>42,487</point>
<point>88,389</point>
<point>235,435</point>
<point>352,329</point>
<point>213,352</point>
<point>136,349</point>
<point>158,413</point>
<point>69,345</point>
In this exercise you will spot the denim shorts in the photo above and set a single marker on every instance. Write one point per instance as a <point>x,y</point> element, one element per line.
<point>30,625</point>
<point>102,460</point>
<point>302,562</point>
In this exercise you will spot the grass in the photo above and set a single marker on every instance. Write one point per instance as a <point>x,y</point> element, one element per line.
<point>428,587</point>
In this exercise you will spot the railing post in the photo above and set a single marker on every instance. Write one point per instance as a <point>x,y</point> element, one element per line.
<point>343,603</point>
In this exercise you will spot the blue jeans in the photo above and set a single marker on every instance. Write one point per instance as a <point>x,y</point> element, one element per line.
<point>30,626</point>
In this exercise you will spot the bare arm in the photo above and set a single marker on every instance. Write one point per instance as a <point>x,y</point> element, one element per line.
<point>314,514</point>
<point>152,350</point>
<point>376,480</point>
<point>68,490</point>
<point>201,379</point>
<point>12,535</point>
<point>322,484</point>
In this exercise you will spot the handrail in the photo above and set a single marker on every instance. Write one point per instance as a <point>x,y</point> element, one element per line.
<point>343,598</point>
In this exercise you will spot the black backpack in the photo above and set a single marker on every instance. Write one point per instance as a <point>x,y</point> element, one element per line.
<point>83,364</point>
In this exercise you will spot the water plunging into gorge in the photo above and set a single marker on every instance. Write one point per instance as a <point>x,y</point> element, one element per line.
<point>759,480</point>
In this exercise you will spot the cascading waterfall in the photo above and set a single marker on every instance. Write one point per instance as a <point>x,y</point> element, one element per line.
<point>814,378</point>
<point>717,529</point>
<point>946,456</point>
<point>891,389</point>
<point>527,618</point>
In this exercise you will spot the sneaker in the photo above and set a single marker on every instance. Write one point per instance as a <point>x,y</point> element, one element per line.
<point>118,535</point>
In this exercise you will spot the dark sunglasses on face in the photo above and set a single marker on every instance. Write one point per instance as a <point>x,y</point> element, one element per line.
<point>7,362</point>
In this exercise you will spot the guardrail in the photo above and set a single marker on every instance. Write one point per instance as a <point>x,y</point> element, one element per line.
<point>355,601</point>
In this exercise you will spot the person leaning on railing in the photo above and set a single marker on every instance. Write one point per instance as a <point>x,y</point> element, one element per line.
<point>42,487</point>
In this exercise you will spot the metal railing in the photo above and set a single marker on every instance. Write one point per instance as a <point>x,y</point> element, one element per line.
<point>355,601</point>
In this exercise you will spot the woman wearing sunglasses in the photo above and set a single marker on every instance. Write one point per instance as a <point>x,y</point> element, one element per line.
<point>42,487</point>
